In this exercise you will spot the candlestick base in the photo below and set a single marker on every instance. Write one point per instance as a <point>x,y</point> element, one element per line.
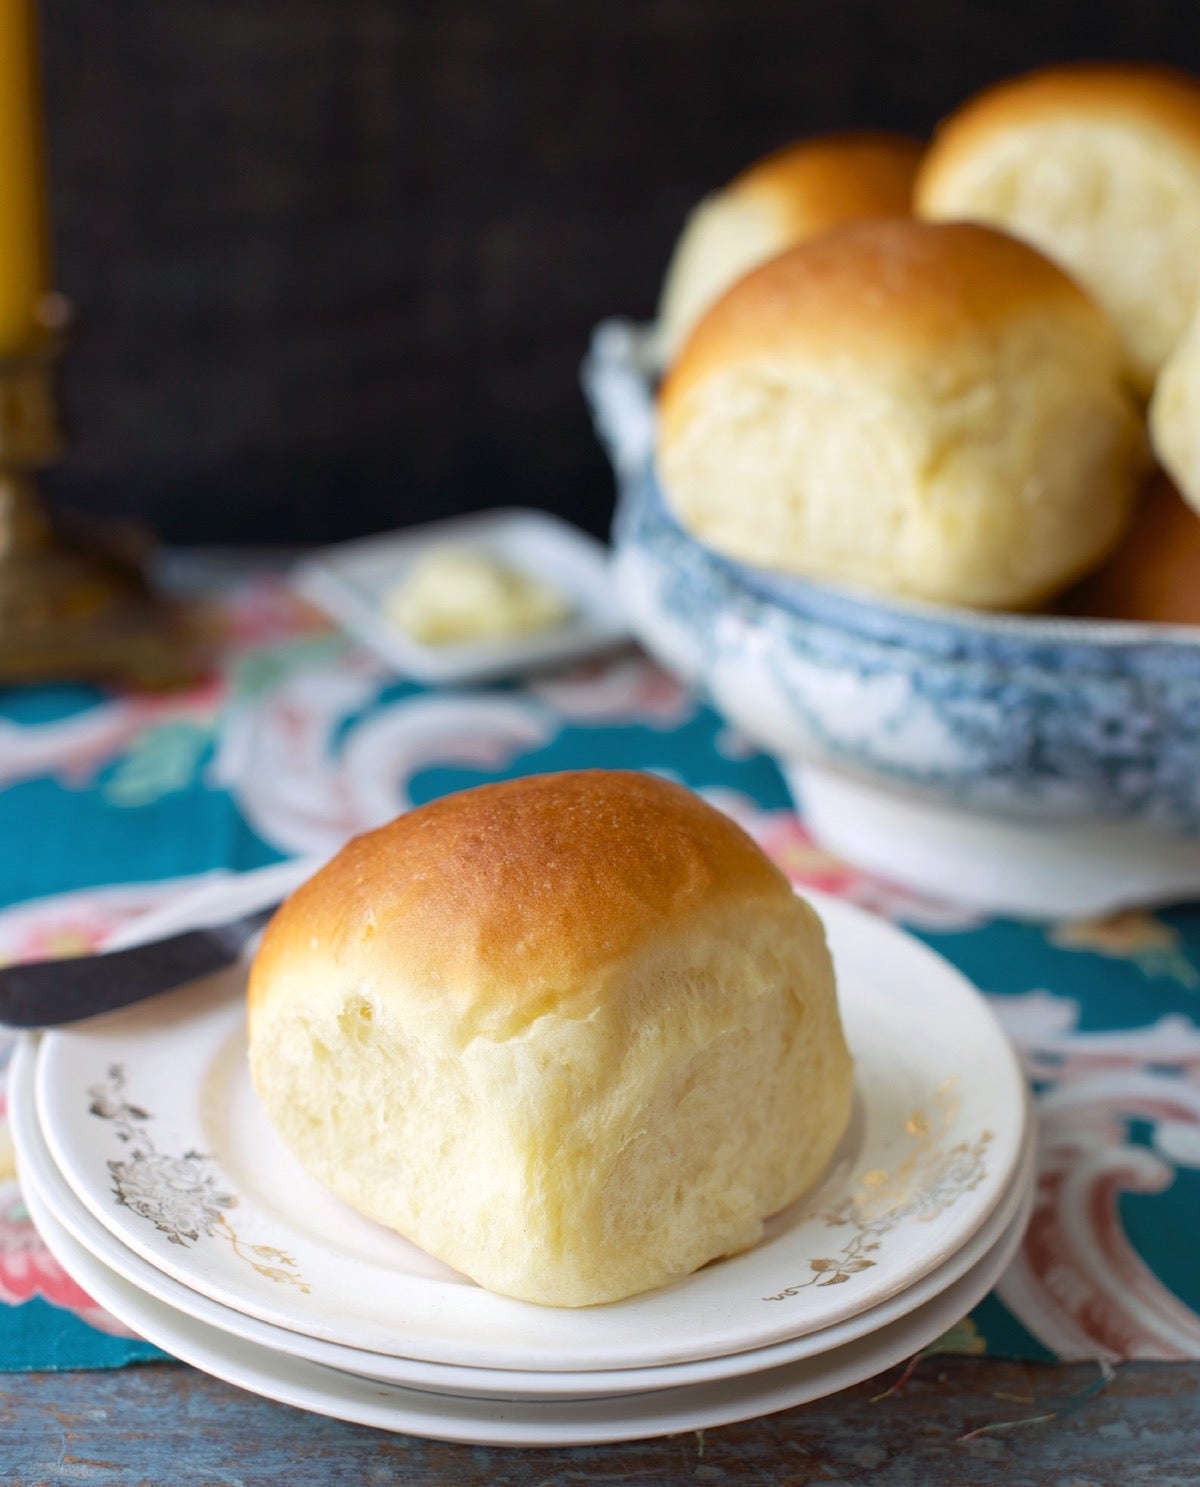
<point>81,609</point>
<point>75,601</point>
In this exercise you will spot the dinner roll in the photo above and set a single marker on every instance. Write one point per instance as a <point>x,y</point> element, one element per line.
<point>1154,575</point>
<point>790,195</point>
<point>574,1035</point>
<point>1175,414</point>
<point>1099,166</point>
<point>922,409</point>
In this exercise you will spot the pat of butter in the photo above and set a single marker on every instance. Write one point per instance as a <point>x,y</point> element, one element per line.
<point>454,594</point>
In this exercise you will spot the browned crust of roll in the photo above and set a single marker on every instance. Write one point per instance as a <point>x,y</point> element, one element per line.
<point>833,179</point>
<point>518,892</point>
<point>898,287</point>
<point>1145,95</point>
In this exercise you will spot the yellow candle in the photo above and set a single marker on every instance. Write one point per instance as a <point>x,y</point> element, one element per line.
<point>24,247</point>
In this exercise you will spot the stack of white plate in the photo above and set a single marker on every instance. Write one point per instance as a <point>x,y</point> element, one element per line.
<point>154,1177</point>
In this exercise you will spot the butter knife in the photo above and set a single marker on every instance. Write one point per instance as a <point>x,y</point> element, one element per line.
<point>49,993</point>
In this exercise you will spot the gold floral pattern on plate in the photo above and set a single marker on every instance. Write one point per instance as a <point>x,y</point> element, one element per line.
<point>930,1178</point>
<point>180,1195</point>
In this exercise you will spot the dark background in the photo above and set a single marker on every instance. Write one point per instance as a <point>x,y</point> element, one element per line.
<point>336,261</point>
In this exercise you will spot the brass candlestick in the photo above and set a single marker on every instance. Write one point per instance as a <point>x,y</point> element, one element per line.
<point>74,599</point>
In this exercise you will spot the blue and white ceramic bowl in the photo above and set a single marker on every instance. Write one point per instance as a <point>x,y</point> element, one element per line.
<point>1028,763</point>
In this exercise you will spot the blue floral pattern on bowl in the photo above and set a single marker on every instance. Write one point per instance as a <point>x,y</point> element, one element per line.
<point>1012,714</point>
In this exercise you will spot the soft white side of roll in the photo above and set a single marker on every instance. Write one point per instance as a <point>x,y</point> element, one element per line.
<point>1175,416</point>
<point>723,238</point>
<point>1099,167</point>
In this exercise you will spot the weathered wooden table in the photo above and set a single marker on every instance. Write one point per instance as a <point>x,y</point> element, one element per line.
<point>161,1424</point>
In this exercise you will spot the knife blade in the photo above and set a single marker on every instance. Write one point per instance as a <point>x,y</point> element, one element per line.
<point>50,993</point>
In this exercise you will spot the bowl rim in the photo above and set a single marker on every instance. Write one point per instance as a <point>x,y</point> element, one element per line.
<point>801,596</point>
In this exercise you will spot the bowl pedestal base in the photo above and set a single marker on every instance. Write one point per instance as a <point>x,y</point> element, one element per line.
<point>1028,869</point>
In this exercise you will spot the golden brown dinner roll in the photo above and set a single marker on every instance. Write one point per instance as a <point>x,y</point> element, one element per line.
<point>1099,166</point>
<point>574,1035</point>
<point>1175,414</point>
<point>1154,575</point>
<point>793,194</point>
<point>932,410</point>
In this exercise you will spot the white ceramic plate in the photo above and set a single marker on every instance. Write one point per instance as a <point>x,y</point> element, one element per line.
<point>38,1171</point>
<point>351,583</point>
<point>151,1117</point>
<point>485,1422</point>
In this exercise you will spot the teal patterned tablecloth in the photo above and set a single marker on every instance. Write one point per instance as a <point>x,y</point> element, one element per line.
<point>110,804</point>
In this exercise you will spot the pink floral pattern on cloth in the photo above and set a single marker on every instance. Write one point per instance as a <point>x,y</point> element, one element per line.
<point>72,924</point>
<point>1078,1284</point>
<point>258,618</point>
<point>28,1269</point>
<point>77,923</point>
<point>264,629</point>
<point>292,731</point>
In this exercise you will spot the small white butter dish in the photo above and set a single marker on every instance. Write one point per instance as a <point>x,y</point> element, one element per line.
<point>352,583</point>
